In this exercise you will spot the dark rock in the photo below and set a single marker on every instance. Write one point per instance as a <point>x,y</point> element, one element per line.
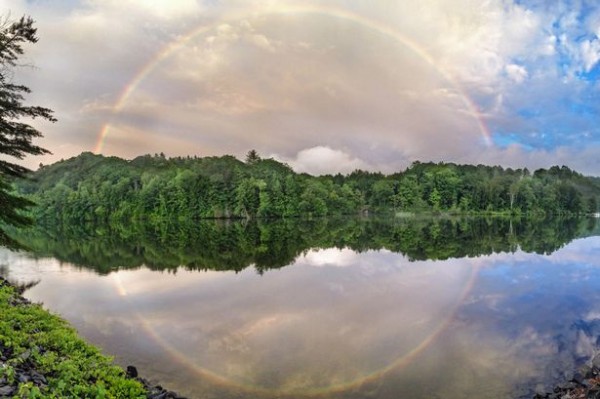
<point>38,378</point>
<point>586,371</point>
<point>153,391</point>
<point>568,386</point>
<point>6,391</point>
<point>578,378</point>
<point>593,394</point>
<point>131,372</point>
<point>596,361</point>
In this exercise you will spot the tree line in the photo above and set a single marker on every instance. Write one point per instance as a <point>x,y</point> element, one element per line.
<point>162,192</point>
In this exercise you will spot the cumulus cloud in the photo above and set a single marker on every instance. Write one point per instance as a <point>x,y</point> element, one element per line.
<point>322,160</point>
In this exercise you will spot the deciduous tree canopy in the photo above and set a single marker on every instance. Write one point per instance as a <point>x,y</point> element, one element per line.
<point>164,192</point>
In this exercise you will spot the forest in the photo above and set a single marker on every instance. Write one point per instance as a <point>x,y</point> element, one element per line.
<point>162,192</point>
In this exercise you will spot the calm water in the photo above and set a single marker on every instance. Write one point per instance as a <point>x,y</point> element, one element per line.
<point>358,309</point>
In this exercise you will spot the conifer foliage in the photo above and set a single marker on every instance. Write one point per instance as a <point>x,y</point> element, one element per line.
<point>16,134</point>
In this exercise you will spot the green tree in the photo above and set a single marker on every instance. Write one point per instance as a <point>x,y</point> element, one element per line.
<point>409,193</point>
<point>435,199</point>
<point>252,157</point>
<point>383,193</point>
<point>248,197</point>
<point>592,205</point>
<point>15,136</point>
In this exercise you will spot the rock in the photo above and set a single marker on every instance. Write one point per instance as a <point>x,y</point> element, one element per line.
<point>131,372</point>
<point>7,390</point>
<point>578,378</point>
<point>593,394</point>
<point>568,386</point>
<point>153,390</point>
<point>596,361</point>
<point>38,378</point>
<point>586,371</point>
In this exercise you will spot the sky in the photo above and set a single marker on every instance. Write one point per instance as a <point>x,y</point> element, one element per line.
<point>326,86</point>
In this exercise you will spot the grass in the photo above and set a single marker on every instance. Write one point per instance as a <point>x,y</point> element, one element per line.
<point>34,339</point>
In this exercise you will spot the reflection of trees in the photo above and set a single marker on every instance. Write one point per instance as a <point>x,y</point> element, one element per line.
<point>219,245</point>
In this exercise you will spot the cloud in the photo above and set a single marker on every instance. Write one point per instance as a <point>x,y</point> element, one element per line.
<point>517,73</point>
<point>367,84</point>
<point>323,160</point>
<point>330,257</point>
<point>590,53</point>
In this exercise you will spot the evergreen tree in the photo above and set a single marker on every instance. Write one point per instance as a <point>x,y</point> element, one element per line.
<point>15,136</point>
<point>252,157</point>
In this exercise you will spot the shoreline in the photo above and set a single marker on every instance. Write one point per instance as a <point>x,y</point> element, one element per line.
<point>42,356</point>
<point>584,384</point>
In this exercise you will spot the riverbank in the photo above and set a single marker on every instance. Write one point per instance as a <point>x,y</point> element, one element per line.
<point>41,356</point>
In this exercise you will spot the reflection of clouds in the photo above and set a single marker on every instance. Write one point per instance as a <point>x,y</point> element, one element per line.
<point>542,307</point>
<point>290,329</point>
<point>329,257</point>
<point>592,315</point>
<point>337,315</point>
<point>134,282</point>
<point>369,262</point>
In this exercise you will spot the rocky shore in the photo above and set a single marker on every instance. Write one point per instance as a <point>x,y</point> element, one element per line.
<point>41,356</point>
<point>154,391</point>
<point>585,384</point>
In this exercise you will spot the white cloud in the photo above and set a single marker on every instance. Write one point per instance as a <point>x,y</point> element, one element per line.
<point>330,257</point>
<point>590,53</point>
<point>516,72</point>
<point>160,9</point>
<point>322,160</point>
<point>262,42</point>
<point>548,46</point>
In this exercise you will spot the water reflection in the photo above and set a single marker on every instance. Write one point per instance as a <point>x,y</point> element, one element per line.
<point>218,245</point>
<point>346,322</point>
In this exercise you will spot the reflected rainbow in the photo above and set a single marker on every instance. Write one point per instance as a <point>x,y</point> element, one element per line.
<point>324,392</point>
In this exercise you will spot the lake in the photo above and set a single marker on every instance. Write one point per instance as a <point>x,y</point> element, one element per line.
<point>357,308</point>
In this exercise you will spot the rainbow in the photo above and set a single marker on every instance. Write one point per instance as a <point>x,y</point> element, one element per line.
<point>305,9</point>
